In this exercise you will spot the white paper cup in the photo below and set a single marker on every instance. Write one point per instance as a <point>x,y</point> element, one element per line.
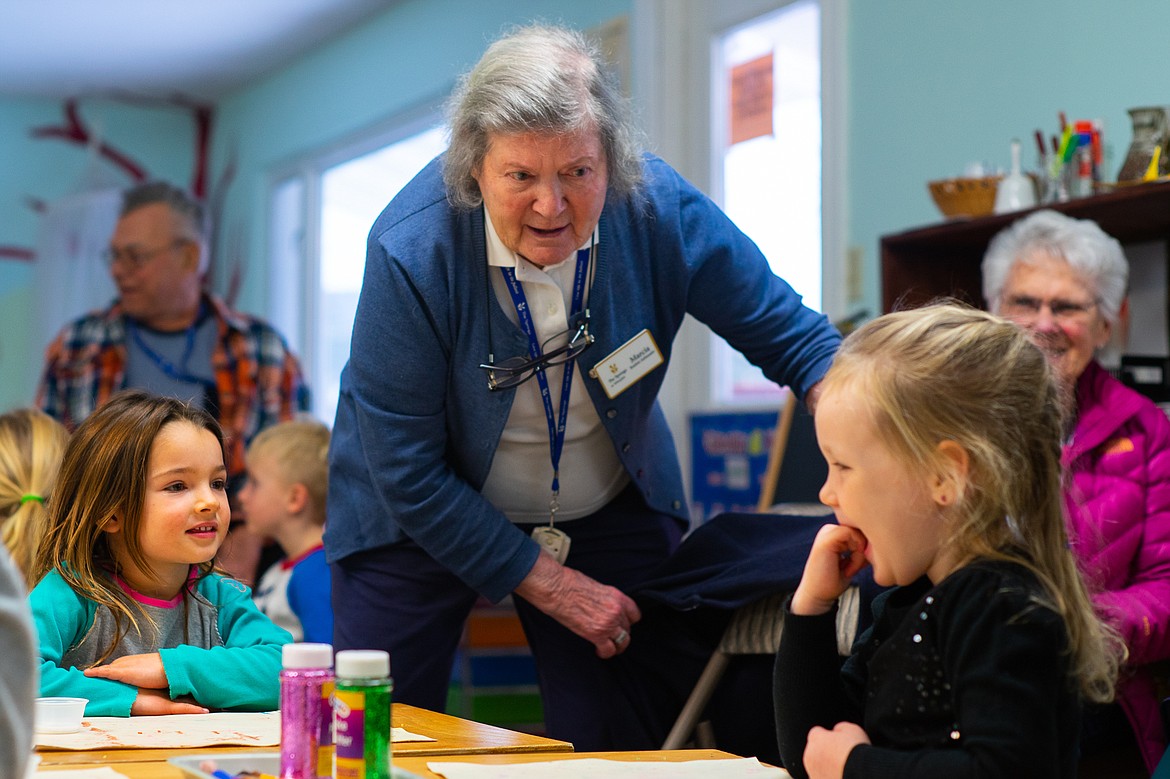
<point>59,715</point>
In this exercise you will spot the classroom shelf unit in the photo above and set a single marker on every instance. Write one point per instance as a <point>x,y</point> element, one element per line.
<point>944,259</point>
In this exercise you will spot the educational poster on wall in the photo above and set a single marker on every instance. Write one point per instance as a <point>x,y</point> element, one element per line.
<point>729,456</point>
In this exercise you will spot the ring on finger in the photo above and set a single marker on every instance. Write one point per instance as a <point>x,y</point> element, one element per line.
<point>621,638</point>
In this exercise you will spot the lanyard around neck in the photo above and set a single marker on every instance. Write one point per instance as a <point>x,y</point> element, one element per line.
<point>177,372</point>
<point>556,424</point>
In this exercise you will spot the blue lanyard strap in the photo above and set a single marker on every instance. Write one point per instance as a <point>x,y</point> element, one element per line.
<point>556,425</point>
<point>180,372</point>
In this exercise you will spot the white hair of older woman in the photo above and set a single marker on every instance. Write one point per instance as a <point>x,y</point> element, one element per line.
<point>538,79</point>
<point>1088,250</point>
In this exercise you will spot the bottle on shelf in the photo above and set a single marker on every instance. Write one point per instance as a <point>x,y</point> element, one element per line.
<point>1015,190</point>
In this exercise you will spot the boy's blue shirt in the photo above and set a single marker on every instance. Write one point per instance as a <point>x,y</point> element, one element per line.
<point>297,595</point>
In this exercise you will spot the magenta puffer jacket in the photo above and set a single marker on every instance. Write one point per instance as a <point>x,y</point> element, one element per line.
<point>1118,505</point>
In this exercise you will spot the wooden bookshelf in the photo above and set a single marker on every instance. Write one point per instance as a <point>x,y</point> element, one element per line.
<point>944,259</point>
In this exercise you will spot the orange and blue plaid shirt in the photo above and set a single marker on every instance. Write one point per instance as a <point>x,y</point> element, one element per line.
<point>257,377</point>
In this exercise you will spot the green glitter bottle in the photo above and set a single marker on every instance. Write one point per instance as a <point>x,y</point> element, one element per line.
<point>361,714</point>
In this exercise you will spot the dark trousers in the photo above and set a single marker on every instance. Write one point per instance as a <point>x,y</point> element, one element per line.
<point>399,599</point>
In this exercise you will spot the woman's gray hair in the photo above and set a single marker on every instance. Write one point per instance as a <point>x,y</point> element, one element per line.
<point>538,79</point>
<point>1081,243</point>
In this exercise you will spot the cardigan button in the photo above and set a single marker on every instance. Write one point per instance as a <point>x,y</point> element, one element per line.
<point>611,413</point>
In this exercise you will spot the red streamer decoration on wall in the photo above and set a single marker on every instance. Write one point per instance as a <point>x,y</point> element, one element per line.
<point>17,253</point>
<point>74,131</point>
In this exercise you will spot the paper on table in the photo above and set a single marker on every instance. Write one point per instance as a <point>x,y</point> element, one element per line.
<point>591,768</point>
<point>256,729</point>
<point>175,731</point>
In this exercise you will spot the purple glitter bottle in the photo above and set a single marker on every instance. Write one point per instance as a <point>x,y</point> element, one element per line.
<point>306,685</point>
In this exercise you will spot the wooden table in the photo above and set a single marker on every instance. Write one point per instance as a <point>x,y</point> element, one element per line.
<point>418,764</point>
<point>141,770</point>
<point>454,736</point>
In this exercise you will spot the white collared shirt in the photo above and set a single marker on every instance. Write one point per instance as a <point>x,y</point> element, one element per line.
<point>520,481</point>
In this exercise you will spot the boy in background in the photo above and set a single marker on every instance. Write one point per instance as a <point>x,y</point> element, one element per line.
<point>284,499</point>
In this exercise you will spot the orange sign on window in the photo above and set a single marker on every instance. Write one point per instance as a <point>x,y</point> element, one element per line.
<point>751,99</point>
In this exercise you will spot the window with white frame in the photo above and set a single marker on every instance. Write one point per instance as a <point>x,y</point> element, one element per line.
<point>325,209</point>
<point>768,168</point>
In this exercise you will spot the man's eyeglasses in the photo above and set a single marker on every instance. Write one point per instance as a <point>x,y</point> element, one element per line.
<point>1064,311</point>
<point>136,258</point>
<point>514,371</point>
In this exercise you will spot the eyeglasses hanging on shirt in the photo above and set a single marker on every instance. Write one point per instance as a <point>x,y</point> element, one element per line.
<point>517,370</point>
<point>514,371</point>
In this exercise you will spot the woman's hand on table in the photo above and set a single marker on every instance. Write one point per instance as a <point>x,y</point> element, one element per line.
<point>158,702</point>
<point>600,614</point>
<point>145,670</point>
<point>826,751</point>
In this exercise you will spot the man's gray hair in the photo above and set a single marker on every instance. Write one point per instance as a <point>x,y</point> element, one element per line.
<point>189,210</point>
<point>539,79</point>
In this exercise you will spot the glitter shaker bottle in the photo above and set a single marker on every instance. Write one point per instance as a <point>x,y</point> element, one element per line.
<point>306,716</point>
<point>361,715</point>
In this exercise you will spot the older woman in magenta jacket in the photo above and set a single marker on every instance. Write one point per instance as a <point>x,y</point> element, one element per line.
<point>1065,280</point>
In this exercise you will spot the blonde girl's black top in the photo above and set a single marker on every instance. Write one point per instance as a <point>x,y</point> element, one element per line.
<point>969,678</point>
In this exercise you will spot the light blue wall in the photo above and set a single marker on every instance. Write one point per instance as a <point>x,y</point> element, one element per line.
<point>160,139</point>
<point>409,56</point>
<point>934,85</point>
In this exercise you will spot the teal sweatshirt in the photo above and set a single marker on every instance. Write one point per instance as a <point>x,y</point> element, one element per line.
<point>217,648</point>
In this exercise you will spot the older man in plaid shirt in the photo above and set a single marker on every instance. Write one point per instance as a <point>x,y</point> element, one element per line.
<point>168,335</point>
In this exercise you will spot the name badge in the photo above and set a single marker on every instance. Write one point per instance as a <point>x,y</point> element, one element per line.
<point>627,364</point>
<point>555,542</point>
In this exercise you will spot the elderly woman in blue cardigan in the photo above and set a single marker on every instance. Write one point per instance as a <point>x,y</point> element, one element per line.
<point>520,301</point>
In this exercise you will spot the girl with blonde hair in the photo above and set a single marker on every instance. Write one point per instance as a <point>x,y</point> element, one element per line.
<point>942,430</point>
<point>31,444</point>
<point>131,610</point>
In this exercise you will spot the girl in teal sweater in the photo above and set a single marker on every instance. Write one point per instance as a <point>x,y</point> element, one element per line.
<point>129,608</point>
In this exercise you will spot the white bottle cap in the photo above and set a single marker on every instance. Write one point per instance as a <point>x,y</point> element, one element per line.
<point>363,664</point>
<point>306,655</point>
